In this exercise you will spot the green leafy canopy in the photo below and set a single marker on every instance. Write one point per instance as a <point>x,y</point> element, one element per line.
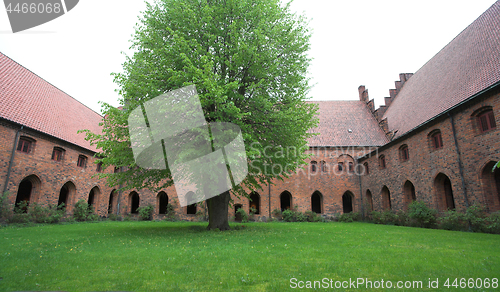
<point>248,60</point>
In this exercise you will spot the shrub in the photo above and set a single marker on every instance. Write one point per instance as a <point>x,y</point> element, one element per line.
<point>313,217</point>
<point>389,217</point>
<point>243,214</point>
<point>49,214</point>
<point>402,218</point>
<point>288,216</point>
<point>277,213</point>
<point>453,220</point>
<point>376,217</point>
<point>476,215</point>
<point>493,223</point>
<point>82,212</point>
<point>114,217</point>
<point>300,217</point>
<point>37,214</point>
<point>170,215</point>
<point>146,212</point>
<point>349,217</point>
<point>421,215</point>
<point>3,205</point>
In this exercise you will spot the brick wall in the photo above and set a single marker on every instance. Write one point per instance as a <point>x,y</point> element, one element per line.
<point>427,168</point>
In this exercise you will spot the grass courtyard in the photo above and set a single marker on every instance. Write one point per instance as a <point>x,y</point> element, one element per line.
<point>182,256</point>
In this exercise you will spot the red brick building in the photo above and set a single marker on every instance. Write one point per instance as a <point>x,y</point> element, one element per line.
<point>436,140</point>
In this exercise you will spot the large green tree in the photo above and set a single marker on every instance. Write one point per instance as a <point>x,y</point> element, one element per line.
<point>248,60</point>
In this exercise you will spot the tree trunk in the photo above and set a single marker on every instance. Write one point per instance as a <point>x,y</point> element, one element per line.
<point>218,212</point>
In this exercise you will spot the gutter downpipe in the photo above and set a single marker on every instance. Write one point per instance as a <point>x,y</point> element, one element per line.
<point>9,170</point>
<point>361,194</point>
<point>269,184</point>
<point>460,167</point>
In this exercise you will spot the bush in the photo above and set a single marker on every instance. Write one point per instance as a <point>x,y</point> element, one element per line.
<point>243,214</point>
<point>350,217</point>
<point>170,215</point>
<point>146,213</point>
<point>277,213</point>
<point>300,217</point>
<point>37,214</point>
<point>476,215</point>
<point>288,216</point>
<point>453,220</point>
<point>49,214</point>
<point>3,205</point>
<point>313,217</point>
<point>376,217</point>
<point>421,215</point>
<point>114,217</point>
<point>82,212</point>
<point>402,219</point>
<point>493,223</point>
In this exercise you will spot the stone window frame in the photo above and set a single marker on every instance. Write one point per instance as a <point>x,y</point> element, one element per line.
<point>26,145</point>
<point>58,154</point>
<point>433,135</point>
<point>81,161</point>
<point>404,153</point>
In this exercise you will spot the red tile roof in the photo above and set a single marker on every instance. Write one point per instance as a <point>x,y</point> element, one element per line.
<point>346,123</point>
<point>469,64</point>
<point>27,99</point>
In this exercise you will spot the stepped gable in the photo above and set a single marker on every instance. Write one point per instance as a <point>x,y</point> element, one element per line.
<point>29,100</point>
<point>346,123</point>
<point>469,64</point>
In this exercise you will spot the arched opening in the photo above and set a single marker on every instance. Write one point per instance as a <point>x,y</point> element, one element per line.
<point>112,202</point>
<point>347,199</point>
<point>285,201</point>
<point>67,191</point>
<point>369,200</point>
<point>444,193</point>
<point>316,202</point>
<point>255,202</point>
<point>191,209</point>
<point>386,198</point>
<point>26,192</point>
<point>24,195</point>
<point>490,181</point>
<point>237,216</point>
<point>93,200</point>
<point>409,194</point>
<point>134,202</point>
<point>162,202</point>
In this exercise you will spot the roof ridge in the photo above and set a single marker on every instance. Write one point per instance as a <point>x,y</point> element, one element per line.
<point>51,84</point>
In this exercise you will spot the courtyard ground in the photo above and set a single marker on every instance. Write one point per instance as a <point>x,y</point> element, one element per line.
<point>182,256</point>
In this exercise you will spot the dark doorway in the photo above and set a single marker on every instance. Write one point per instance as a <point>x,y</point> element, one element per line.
<point>134,202</point>
<point>162,202</point>
<point>316,199</point>
<point>110,203</point>
<point>448,192</point>
<point>386,198</point>
<point>24,194</point>
<point>347,202</point>
<point>285,201</point>
<point>191,209</point>
<point>63,197</point>
<point>255,202</point>
<point>237,215</point>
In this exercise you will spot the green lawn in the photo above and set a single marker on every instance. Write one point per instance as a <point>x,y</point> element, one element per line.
<point>164,256</point>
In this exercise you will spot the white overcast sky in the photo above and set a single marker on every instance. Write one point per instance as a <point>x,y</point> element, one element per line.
<point>353,43</point>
